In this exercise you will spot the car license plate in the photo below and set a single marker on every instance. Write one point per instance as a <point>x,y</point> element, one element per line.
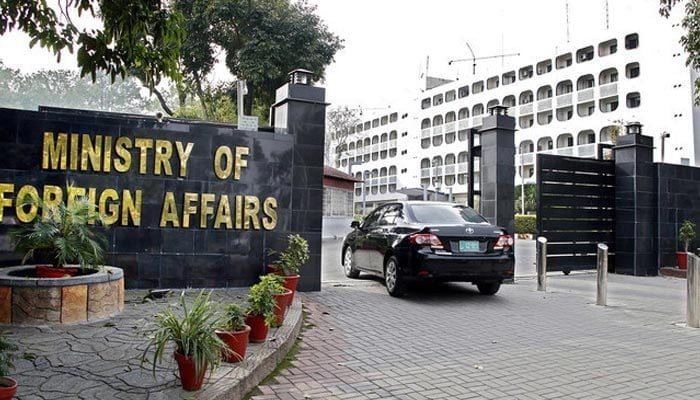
<point>468,245</point>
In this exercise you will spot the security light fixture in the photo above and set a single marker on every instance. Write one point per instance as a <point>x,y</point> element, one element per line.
<point>634,128</point>
<point>300,77</point>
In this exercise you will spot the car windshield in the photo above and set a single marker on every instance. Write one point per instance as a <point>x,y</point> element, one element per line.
<point>445,214</point>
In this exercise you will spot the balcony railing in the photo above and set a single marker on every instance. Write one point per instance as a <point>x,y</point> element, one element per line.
<point>564,100</point>
<point>608,90</point>
<point>392,143</point>
<point>383,180</point>
<point>437,171</point>
<point>392,179</point>
<point>462,168</point>
<point>425,173</point>
<point>476,121</point>
<point>383,146</point>
<point>544,105</point>
<point>425,133</point>
<point>526,109</point>
<point>585,94</point>
<point>437,130</point>
<point>450,169</point>
<point>463,124</point>
<point>450,127</point>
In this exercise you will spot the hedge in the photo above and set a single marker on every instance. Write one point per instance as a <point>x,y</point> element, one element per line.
<point>525,223</point>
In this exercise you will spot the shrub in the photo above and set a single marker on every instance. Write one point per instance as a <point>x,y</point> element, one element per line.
<point>525,223</point>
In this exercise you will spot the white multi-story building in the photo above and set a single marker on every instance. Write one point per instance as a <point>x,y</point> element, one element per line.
<point>568,102</point>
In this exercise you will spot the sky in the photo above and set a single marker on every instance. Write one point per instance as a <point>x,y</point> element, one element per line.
<point>387,42</point>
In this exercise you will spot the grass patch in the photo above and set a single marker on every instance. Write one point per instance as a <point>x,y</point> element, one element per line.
<point>286,360</point>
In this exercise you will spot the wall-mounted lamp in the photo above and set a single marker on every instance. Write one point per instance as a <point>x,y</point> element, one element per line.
<point>634,128</point>
<point>301,76</point>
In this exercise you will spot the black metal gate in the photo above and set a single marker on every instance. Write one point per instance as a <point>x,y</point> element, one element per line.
<point>575,210</point>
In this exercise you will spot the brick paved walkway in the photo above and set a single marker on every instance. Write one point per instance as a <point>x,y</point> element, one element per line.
<point>451,343</point>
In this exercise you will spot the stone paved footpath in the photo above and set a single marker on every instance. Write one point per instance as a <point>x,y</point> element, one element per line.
<point>449,342</point>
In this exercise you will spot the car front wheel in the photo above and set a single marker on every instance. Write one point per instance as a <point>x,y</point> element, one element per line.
<point>488,288</point>
<point>395,284</point>
<point>348,268</point>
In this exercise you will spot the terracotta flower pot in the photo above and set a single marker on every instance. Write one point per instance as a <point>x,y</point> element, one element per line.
<point>258,329</point>
<point>190,380</point>
<point>237,342</point>
<point>282,301</point>
<point>273,269</point>
<point>8,388</point>
<point>49,271</point>
<point>290,282</point>
<point>682,258</point>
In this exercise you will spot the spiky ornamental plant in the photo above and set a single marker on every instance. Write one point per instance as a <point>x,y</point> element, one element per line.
<point>7,354</point>
<point>63,233</point>
<point>193,334</point>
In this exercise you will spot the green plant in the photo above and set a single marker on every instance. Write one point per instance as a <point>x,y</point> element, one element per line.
<point>686,233</point>
<point>234,318</point>
<point>525,223</point>
<point>260,297</point>
<point>294,256</point>
<point>7,354</point>
<point>62,234</point>
<point>193,335</point>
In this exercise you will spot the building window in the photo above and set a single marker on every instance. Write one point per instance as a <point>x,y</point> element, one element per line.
<point>525,72</point>
<point>437,99</point>
<point>633,100</point>
<point>631,41</point>
<point>492,83</point>
<point>544,67</point>
<point>425,103</point>
<point>607,48</point>
<point>393,117</point>
<point>450,96</point>
<point>564,61</point>
<point>584,54</point>
<point>463,91</point>
<point>478,87</point>
<point>632,70</point>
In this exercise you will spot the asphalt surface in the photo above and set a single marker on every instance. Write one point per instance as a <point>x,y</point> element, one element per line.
<point>448,342</point>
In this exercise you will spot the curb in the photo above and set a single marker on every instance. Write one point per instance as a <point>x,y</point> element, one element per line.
<point>234,381</point>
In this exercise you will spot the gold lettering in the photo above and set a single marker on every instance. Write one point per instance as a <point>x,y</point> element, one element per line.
<point>92,198</point>
<point>164,150</point>
<point>131,208</point>
<point>240,162</point>
<point>73,193</point>
<point>91,152</point>
<point>54,154</point>
<point>207,210</point>
<point>169,213</point>
<point>74,147</point>
<point>123,161</point>
<point>188,208</point>
<point>143,145</point>
<point>184,155</point>
<point>52,198</point>
<point>5,202</point>
<point>225,172</point>
<point>223,213</point>
<point>107,161</point>
<point>110,213</point>
<point>250,214</point>
<point>239,212</point>
<point>269,208</point>
<point>26,197</point>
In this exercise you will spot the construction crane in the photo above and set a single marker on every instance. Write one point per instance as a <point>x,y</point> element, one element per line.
<point>474,58</point>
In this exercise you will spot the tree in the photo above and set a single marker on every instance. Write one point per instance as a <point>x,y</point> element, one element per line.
<point>691,39</point>
<point>263,40</point>
<point>64,88</point>
<point>340,123</point>
<point>143,35</point>
<point>530,198</point>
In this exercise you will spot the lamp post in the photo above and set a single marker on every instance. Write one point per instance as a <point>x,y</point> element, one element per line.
<point>301,76</point>
<point>664,135</point>
<point>634,128</point>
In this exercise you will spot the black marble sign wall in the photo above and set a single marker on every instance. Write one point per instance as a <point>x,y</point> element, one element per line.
<point>192,204</point>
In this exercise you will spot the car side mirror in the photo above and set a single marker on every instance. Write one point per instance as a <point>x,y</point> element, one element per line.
<point>355,224</point>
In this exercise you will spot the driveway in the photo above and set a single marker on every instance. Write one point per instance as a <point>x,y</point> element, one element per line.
<point>448,342</point>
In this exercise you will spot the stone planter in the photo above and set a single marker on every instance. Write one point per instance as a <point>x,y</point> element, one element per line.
<point>40,301</point>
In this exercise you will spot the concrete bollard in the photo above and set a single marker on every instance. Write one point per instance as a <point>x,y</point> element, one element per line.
<point>693,281</point>
<point>602,294</point>
<point>541,264</point>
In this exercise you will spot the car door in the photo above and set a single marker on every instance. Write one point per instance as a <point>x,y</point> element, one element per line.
<point>362,243</point>
<point>382,236</point>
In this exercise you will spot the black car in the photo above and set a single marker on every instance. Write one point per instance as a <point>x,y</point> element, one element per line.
<point>419,240</point>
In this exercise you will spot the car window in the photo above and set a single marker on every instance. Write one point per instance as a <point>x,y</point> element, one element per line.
<point>392,216</point>
<point>372,217</point>
<point>445,214</point>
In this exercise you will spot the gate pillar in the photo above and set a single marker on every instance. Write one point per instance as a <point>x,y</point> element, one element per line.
<point>498,168</point>
<point>300,111</point>
<point>635,205</point>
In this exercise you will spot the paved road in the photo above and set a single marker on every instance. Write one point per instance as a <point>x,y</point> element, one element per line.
<point>449,342</point>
